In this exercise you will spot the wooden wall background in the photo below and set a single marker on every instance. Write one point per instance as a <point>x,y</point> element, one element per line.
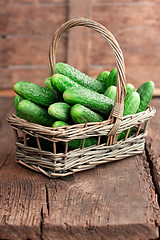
<point>27,28</point>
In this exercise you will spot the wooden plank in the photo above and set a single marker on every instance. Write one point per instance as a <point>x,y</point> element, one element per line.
<point>26,19</point>
<point>7,93</point>
<point>102,203</point>
<point>29,50</point>
<point>36,74</point>
<point>153,143</point>
<point>6,106</point>
<point>22,192</point>
<point>31,2</point>
<point>136,74</point>
<point>113,201</point>
<point>78,38</point>
<point>138,38</point>
<point>124,2</point>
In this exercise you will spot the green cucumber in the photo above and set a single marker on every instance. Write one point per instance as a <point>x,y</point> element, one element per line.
<point>60,110</point>
<point>130,88</point>
<point>111,92</point>
<point>79,77</point>
<point>17,100</point>
<point>76,143</point>
<point>48,84</point>
<point>112,79</point>
<point>82,114</point>
<point>61,83</point>
<point>88,98</point>
<point>103,76</point>
<point>59,124</point>
<point>34,113</point>
<point>146,92</point>
<point>35,93</point>
<point>130,107</point>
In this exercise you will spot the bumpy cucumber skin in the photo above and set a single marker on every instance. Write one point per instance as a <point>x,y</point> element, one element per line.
<point>34,113</point>
<point>102,77</point>
<point>61,83</point>
<point>77,143</point>
<point>48,84</point>
<point>88,98</point>
<point>112,79</point>
<point>82,114</point>
<point>60,110</point>
<point>111,92</point>
<point>17,100</point>
<point>35,93</point>
<point>79,77</point>
<point>59,124</point>
<point>132,104</point>
<point>130,107</point>
<point>146,92</point>
<point>130,88</point>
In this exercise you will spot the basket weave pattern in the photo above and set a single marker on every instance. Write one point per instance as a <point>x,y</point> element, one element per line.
<point>59,161</point>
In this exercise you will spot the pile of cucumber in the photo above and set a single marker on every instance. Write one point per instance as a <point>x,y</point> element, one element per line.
<point>71,97</point>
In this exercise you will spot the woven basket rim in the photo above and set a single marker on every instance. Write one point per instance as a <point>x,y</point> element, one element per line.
<point>64,131</point>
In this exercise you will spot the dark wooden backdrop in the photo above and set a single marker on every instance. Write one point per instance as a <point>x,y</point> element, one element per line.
<point>27,28</point>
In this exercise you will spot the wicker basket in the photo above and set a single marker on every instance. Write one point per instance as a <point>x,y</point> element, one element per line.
<point>54,159</point>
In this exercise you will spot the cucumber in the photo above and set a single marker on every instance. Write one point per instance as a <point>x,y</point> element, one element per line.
<point>82,114</point>
<point>34,113</point>
<point>60,110</point>
<point>61,83</point>
<point>130,88</point>
<point>130,107</point>
<point>17,100</point>
<point>79,77</point>
<point>48,84</point>
<point>88,98</point>
<point>59,123</point>
<point>111,92</point>
<point>35,93</point>
<point>112,79</point>
<point>103,76</point>
<point>146,92</point>
<point>76,143</point>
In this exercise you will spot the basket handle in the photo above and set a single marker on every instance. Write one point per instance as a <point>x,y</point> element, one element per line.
<point>117,111</point>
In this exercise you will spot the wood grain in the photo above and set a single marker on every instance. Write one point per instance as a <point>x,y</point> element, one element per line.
<point>137,31</point>
<point>78,37</point>
<point>22,192</point>
<point>31,2</point>
<point>31,19</point>
<point>29,50</point>
<point>153,144</point>
<point>112,201</point>
<point>36,74</point>
<point>101,202</point>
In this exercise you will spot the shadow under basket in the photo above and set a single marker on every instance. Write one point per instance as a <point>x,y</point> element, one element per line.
<point>46,150</point>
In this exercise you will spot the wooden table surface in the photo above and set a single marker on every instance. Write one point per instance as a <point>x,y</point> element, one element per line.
<point>113,201</point>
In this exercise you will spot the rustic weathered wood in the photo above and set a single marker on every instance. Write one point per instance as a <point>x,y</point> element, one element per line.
<point>153,144</point>
<point>6,105</point>
<point>113,201</point>
<point>31,19</point>
<point>22,192</point>
<point>35,74</point>
<point>137,35</point>
<point>79,38</point>
<point>29,50</point>
<point>31,2</point>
